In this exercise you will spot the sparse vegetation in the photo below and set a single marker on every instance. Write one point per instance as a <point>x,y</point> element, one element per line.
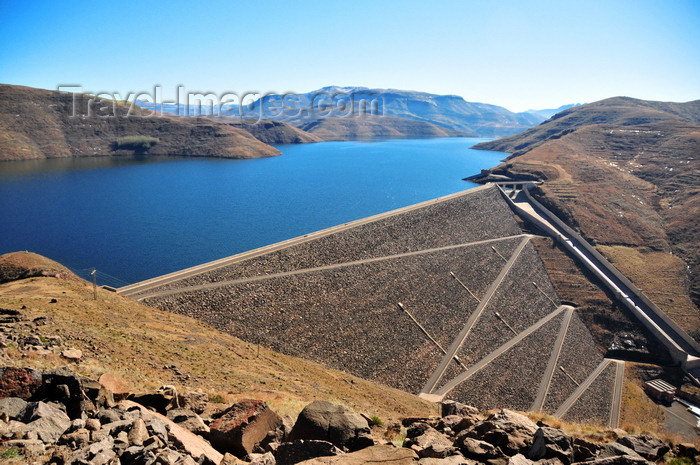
<point>11,453</point>
<point>135,143</point>
<point>217,399</point>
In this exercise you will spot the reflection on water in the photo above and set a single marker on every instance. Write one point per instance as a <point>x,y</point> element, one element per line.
<point>55,165</point>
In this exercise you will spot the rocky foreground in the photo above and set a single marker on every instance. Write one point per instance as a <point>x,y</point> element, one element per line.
<point>60,417</point>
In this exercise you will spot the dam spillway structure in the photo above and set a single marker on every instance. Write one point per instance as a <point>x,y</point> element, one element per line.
<point>447,299</point>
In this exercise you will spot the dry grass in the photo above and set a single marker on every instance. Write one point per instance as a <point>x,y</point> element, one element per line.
<point>639,414</point>
<point>149,348</point>
<point>590,431</point>
<point>662,277</point>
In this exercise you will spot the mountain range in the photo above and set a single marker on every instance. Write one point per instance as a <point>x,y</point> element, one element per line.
<point>450,113</point>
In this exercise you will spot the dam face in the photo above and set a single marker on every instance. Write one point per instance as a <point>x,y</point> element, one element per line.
<point>447,298</point>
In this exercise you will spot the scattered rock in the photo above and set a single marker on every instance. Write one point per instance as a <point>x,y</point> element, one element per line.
<point>325,421</point>
<point>119,388</point>
<point>12,407</point>
<point>189,420</point>
<point>478,450</point>
<point>456,423</point>
<point>72,354</point>
<point>648,447</point>
<point>620,460</point>
<point>615,449</point>
<point>19,382</point>
<point>290,453</point>
<point>431,443</point>
<point>129,433</point>
<point>511,432</point>
<point>374,454</point>
<point>194,445</point>
<point>551,443</point>
<point>584,450</point>
<point>243,425</point>
<point>195,401</point>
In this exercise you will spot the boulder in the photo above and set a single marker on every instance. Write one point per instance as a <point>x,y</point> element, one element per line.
<point>383,454</point>
<point>615,449</point>
<point>195,401</point>
<point>262,459</point>
<point>431,443</point>
<point>118,387</point>
<point>185,440</point>
<point>93,424</point>
<point>519,459</point>
<point>289,453</point>
<point>72,354</point>
<point>512,432</point>
<point>189,420</point>
<point>77,439</point>
<point>451,407</point>
<point>243,425</point>
<point>12,407</point>
<point>48,422</point>
<point>457,459</point>
<point>620,460</point>
<point>325,421</point>
<point>478,450</point>
<point>19,382</point>
<point>584,450</point>
<point>647,446</point>
<point>137,433</point>
<point>552,443</point>
<point>456,423</point>
<point>108,416</point>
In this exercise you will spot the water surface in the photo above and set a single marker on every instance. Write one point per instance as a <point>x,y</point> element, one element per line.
<point>134,219</point>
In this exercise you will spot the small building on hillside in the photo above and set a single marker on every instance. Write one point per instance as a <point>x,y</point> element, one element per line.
<point>660,389</point>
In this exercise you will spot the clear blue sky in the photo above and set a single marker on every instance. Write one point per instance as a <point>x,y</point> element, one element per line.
<point>517,54</point>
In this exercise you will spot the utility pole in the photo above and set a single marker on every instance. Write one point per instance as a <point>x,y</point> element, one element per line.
<point>93,273</point>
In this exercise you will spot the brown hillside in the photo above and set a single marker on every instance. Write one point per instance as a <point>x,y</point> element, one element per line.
<point>626,174</point>
<point>272,132</point>
<point>36,123</point>
<point>365,127</point>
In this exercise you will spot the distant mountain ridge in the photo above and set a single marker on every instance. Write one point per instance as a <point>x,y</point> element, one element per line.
<point>448,112</point>
<point>549,112</point>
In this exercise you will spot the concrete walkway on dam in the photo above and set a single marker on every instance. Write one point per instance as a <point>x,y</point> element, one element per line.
<point>682,348</point>
<point>444,298</point>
